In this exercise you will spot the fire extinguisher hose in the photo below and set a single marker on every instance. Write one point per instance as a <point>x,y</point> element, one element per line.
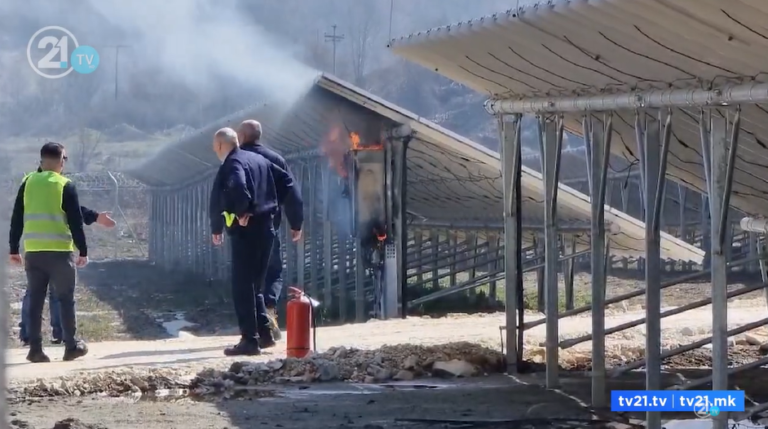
<point>314,329</point>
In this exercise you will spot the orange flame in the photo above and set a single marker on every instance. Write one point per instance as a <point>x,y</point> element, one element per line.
<point>380,235</point>
<point>354,138</point>
<point>335,148</point>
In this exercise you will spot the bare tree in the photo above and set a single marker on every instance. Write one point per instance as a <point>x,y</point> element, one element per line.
<point>85,150</point>
<point>364,31</point>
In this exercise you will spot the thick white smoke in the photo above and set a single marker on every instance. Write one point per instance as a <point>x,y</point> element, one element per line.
<point>194,41</point>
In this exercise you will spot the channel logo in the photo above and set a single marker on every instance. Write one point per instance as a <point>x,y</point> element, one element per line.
<point>53,52</point>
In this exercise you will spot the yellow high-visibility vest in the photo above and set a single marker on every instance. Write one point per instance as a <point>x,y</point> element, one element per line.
<point>45,223</point>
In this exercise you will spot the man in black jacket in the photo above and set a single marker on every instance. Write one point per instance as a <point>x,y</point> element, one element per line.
<point>244,200</point>
<point>48,216</point>
<point>249,135</point>
<point>89,217</point>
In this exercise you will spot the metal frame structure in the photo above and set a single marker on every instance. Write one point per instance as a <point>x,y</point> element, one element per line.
<point>447,222</point>
<point>445,181</point>
<point>719,142</point>
<point>663,73</point>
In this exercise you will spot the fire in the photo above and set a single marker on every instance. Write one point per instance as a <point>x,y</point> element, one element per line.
<point>336,148</point>
<point>380,235</point>
<point>354,139</point>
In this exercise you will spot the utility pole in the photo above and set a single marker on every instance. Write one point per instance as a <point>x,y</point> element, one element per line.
<point>117,62</point>
<point>335,39</point>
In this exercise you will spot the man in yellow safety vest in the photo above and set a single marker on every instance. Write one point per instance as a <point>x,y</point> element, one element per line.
<point>47,218</point>
<point>89,217</point>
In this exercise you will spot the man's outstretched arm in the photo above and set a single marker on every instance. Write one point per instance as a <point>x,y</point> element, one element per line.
<point>89,216</point>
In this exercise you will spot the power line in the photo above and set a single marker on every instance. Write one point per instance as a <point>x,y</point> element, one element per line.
<point>335,39</point>
<point>117,62</point>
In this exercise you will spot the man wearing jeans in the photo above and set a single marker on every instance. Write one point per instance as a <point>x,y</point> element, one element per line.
<point>47,217</point>
<point>89,217</point>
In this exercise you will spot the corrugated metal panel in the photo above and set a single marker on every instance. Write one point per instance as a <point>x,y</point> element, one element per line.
<point>590,47</point>
<point>449,177</point>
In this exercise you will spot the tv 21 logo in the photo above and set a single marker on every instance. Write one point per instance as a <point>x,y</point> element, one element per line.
<point>48,52</point>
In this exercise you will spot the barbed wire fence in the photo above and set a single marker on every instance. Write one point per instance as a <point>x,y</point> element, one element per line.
<point>104,191</point>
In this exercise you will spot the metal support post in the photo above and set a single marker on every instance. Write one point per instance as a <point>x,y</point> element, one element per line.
<point>492,253</point>
<point>343,246</point>
<point>538,242</point>
<point>682,192</point>
<point>360,315</point>
<point>654,152</point>
<point>570,272</point>
<point>719,161</point>
<point>418,242</point>
<point>434,253</point>
<point>600,142</point>
<point>313,232</point>
<point>327,241</point>
<point>301,256</point>
<point>704,227</point>
<point>753,251</point>
<point>551,140</point>
<point>511,171</point>
<point>401,227</point>
<point>640,139</point>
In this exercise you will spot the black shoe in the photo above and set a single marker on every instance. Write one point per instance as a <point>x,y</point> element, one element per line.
<point>273,327</point>
<point>266,340</point>
<point>37,355</point>
<point>243,348</point>
<point>78,351</point>
<point>56,341</point>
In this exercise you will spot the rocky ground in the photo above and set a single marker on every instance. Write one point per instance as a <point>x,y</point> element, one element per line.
<point>357,378</point>
<point>182,382</point>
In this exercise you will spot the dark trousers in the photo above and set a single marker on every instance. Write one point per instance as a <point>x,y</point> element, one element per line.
<point>274,280</point>
<point>56,269</point>
<point>251,248</point>
<point>55,316</point>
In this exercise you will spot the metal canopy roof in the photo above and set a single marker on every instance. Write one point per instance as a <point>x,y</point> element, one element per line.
<point>451,180</point>
<point>600,47</point>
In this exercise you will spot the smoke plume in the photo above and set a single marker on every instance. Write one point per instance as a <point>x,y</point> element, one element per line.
<point>196,42</point>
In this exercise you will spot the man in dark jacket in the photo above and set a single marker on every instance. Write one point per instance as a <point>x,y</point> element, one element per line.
<point>48,218</point>
<point>244,200</point>
<point>249,135</point>
<point>89,217</point>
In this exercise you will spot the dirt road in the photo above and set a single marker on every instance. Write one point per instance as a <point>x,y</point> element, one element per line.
<point>343,409</point>
<point>194,353</point>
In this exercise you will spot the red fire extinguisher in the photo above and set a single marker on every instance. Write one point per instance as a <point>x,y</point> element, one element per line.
<point>298,323</point>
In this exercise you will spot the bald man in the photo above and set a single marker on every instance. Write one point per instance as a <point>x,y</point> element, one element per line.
<point>244,201</point>
<point>249,135</point>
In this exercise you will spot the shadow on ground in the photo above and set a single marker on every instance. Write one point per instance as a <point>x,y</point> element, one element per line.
<point>142,297</point>
<point>488,403</point>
